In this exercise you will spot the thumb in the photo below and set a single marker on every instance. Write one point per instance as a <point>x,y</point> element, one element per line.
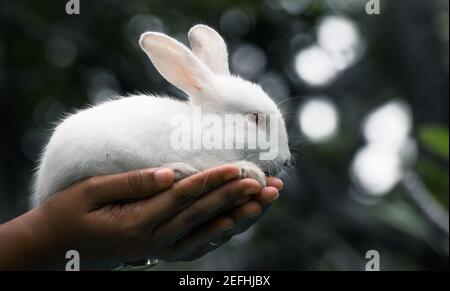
<point>132,185</point>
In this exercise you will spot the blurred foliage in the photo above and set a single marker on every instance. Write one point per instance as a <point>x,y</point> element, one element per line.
<point>435,139</point>
<point>52,63</point>
<point>435,178</point>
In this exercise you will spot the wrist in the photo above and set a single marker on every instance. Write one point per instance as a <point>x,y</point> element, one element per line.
<point>27,243</point>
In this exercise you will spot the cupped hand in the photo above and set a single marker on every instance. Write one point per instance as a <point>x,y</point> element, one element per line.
<point>140,214</point>
<point>212,234</point>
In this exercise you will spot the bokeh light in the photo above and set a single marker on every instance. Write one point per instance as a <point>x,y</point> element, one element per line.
<point>339,46</point>
<point>319,119</point>
<point>315,66</point>
<point>390,123</point>
<point>340,37</point>
<point>378,166</point>
<point>376,169</point>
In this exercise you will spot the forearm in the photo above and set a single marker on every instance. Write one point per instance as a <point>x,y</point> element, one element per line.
<point>24,244</point>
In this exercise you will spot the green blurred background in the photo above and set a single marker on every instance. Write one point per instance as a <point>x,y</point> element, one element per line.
<point>365,99</point>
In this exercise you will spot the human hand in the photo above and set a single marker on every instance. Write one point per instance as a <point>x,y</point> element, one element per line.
<point>127,216</point>
<point>216,232</point>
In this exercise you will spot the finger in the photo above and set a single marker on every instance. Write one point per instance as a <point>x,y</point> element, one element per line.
<point>203,234</point>
<point>248,210</point>
<point>185,192</point>
<point>206,207</point>
<point>128,186</point>
<point>188,245</point>
<point>275,182</point>
<point>242,201</point>
<point>267,195</point>
<point>246,216</point>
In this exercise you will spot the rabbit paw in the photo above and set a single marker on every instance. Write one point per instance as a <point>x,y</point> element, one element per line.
<point>250,170</point>
<point>181,170</point>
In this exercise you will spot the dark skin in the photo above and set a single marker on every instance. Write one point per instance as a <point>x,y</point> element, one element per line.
<point>131,216</point>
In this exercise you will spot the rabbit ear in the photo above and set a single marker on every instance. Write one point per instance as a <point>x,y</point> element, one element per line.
<point>176,63</point>
<point>209,46</point>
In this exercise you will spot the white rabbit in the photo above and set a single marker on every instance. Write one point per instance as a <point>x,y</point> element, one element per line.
<point>134,132</point>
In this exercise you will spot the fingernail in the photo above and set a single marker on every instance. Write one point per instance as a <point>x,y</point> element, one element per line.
<point>164,176</point>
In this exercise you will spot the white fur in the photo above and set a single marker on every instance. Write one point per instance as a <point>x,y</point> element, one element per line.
<point>134,132</point>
